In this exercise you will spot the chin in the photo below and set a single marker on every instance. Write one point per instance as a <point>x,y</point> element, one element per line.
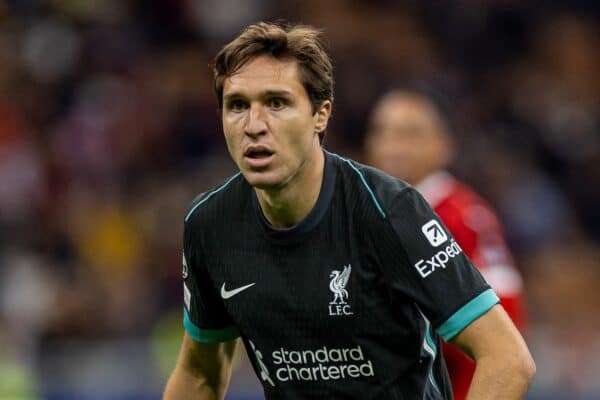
<point>262,180</point>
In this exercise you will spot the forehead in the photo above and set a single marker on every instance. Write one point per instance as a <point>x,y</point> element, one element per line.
<point>264,73</point>
<point>403,110</point>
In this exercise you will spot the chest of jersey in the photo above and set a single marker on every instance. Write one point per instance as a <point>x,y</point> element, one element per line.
<point>331,304</point>
<point>315,309</point>
<point>301,290</point>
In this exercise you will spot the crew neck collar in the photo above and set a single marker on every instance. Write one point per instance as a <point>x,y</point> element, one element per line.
<point>293,233</point>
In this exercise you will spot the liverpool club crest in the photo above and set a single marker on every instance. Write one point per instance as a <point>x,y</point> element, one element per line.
<point>338,283</point>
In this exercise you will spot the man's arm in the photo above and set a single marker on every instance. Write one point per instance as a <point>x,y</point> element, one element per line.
<point>504,366</point>
<point>202,371</point>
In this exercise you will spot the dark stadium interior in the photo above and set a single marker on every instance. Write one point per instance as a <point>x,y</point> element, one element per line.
<point>109,127</point>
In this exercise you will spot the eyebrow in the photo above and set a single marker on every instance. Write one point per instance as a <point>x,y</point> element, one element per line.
<point>266,93</point>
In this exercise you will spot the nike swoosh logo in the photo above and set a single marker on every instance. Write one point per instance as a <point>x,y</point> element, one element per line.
<point>226,294</point>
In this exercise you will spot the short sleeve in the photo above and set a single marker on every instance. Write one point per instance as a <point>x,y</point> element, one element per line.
<point>435,274</point>
<point>205,318</point>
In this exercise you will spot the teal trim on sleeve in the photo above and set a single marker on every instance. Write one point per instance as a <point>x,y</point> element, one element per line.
<point>208,335</point>
<point>467,314</point>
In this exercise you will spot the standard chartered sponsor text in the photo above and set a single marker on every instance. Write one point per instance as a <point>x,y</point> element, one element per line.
<point>321,364</point>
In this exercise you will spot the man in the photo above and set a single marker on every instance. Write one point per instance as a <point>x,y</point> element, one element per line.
<point>339,279</point>
<point>409,139</point>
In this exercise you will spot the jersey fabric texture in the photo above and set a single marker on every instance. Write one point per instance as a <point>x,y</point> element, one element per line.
<point>348,304</point>
<point>474,225</point>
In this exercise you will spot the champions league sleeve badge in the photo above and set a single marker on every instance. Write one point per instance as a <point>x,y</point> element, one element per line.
<point>185,267</point>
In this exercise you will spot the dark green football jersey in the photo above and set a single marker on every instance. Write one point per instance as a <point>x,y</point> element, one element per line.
<point>351,303</point>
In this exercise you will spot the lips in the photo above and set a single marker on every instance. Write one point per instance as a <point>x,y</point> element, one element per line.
<point>258,156</point>
<point>255,152</point>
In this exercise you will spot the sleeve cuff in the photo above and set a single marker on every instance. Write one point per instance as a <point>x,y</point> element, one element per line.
<point>208,335</point>
<point>467,314</point>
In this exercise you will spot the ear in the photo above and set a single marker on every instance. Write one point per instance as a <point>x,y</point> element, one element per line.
<point>321,116</point>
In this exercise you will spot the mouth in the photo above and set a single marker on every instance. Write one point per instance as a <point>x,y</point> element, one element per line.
<point>258,156</point>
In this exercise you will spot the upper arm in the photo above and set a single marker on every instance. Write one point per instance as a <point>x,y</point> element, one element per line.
<point>434,271</point>
<point>493,335</point>
<point>204,364</point>
<point>205,316</point>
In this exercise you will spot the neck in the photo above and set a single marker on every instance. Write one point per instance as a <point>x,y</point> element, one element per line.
<point>287,206</point>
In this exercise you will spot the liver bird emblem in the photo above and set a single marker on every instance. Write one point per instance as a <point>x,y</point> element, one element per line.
<point>338,283</point>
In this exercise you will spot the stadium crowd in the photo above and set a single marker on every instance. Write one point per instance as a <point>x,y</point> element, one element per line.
<point>109,127</point>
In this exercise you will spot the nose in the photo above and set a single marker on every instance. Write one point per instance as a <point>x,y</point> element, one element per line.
<point>255,122</point>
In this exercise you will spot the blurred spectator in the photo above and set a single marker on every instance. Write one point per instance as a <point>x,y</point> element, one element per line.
<point>563,285</point>
<point>16,383</point>
<point>109,126</point>
<point>21,173</point>
<point>409,138</point>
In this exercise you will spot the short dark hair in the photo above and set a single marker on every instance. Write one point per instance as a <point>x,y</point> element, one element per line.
<point>302,43</point>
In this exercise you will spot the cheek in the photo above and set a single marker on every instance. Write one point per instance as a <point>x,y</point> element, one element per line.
<point>232,124</point>
<point>294,137</point>
<point>390,147</point>
<point>304,132</point>
<point>231,140</point>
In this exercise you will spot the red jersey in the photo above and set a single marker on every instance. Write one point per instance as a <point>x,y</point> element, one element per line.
<point>477,230</point>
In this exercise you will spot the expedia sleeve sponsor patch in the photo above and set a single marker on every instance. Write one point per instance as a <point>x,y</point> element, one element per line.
<point>429,266</point>
<point>439,260</point>
<point>428,244</point>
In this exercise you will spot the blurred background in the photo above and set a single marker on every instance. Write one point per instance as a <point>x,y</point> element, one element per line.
<point>109,128</point>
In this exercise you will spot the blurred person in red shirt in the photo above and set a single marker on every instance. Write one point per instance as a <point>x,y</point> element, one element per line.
<point>409,138</point>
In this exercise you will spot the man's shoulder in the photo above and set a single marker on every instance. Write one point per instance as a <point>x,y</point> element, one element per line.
<point>378,187</point>
<point>446,193</point>
<point>465,212</point>
<point>464,201</point>
<point>465,195</point>
<point>225,196</point>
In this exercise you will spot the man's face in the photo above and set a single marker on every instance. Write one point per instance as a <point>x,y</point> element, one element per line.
<point>269,126</point>
<point>406,139</point>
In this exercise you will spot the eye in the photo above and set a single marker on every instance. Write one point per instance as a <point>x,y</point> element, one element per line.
<point>277,103</point>
<point>237,105</point>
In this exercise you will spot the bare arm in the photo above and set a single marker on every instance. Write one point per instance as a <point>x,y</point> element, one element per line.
<point>504,365</point>
<point>202,371</point>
